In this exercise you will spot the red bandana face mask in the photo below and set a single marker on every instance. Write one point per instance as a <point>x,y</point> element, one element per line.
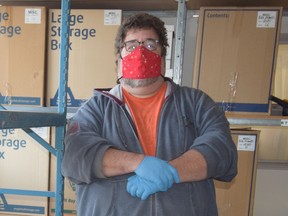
<point>141,64</point>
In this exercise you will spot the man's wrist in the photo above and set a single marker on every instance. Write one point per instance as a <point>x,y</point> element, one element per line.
<point>139,158</point>
<point>118,162</point>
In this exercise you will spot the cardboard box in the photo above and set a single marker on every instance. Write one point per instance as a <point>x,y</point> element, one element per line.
<point>69,195</point>
<point>237,197</point>
<point>24,164</point>
<point>22,55</point>
<point>273,144</point>
<point>281,75</point>
<point>91,53</point>
<point>69,202</point>
<point>236,55</point>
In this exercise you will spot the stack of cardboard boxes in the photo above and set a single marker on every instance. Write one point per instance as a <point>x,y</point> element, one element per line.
<point>235,63</point>
<point>237,197</point>
<point>24,164</point>
<point>23,58</point>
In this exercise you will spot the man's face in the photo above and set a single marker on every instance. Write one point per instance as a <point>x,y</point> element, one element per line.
<point>139,35</point>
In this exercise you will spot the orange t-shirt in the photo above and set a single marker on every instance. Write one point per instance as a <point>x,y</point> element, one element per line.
<point>145,113</point>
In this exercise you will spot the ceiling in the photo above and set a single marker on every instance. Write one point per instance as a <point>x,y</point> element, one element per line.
<point>146,4</point>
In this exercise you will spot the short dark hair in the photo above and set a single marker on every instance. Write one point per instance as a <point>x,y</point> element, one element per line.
<point>142,21</point>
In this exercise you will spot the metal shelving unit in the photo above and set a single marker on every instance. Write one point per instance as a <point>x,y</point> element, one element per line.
<point>26,118</point>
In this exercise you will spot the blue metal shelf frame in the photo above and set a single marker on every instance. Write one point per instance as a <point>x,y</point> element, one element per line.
<point>30,118</point>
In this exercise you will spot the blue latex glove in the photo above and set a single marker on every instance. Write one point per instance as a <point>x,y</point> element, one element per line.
<point>141,188</point>
<point>158,171</point>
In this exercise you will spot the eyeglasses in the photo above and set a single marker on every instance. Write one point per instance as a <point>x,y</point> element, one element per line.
<point>150,44</point>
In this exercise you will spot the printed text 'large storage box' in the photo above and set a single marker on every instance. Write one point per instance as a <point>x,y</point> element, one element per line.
<point>91,53</point>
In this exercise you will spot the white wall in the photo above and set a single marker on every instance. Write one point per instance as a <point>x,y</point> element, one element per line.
<point>284,24</point>
<point>271,195</point>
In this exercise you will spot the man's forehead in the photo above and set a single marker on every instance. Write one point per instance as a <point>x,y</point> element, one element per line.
<point>143,32</point>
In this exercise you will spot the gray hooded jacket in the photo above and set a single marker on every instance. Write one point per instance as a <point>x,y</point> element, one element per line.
<point>189,120</point>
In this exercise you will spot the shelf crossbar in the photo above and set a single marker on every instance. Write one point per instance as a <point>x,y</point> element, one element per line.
<point>27,192</point>
<point>256,121</point>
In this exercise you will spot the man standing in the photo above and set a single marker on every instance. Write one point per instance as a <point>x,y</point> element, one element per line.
<point>148,146</point>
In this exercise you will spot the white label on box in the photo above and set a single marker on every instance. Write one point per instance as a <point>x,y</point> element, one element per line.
<point>266,19</point>
<point>112,17</point>
<point>246,143</point>
<point>32,16</point>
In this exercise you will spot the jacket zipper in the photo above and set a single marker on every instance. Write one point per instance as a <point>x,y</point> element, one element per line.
<point>132,125</point>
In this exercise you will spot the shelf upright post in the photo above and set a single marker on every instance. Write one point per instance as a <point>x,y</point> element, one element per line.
<point>179,43</point>
<point>62,105</point>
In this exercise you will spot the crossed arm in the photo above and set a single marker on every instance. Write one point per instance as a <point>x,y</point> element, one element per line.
<point>152,174</point>
<point>191,166</point>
